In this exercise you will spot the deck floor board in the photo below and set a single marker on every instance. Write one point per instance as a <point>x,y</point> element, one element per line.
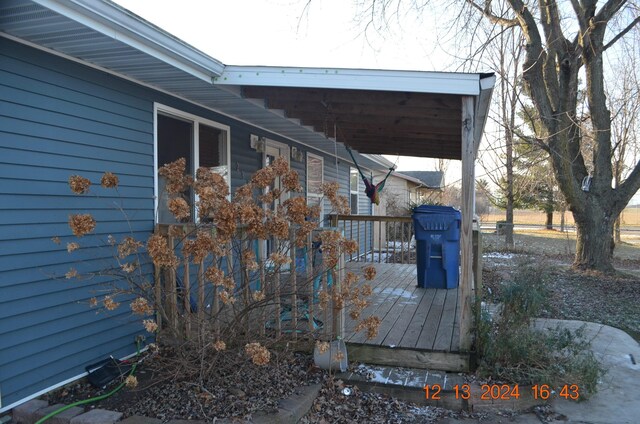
<point>411,317</point>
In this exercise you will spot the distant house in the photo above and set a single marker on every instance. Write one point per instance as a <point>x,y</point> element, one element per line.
<point>87,87</point>
<point>431,184</point>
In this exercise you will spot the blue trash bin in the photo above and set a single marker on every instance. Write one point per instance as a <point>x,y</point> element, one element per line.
<point>437,231</point>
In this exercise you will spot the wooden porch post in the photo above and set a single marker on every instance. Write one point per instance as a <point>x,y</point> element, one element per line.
<point>466,238</point>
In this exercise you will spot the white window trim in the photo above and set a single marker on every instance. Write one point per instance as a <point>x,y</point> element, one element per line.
<point>160,108</point>
<point>356,191</point>
<point>314,156</point>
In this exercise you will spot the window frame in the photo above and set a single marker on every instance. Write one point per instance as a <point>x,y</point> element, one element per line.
<point>315,196</point>
<point>159,108</point>
<point>356,191</point>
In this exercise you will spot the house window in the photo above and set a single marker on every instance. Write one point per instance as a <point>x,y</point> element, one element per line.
<point>200,141</point>
<point>353,190</point>
<point>315,178</point>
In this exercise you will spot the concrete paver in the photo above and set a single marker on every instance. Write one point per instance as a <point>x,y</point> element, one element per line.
<point>97,416</point>
<point>62,418</point>
<point>27,412</point>
<point>618,396</point>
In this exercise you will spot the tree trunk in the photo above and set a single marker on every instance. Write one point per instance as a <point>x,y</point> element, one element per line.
<point>616,231</point>
<point>549,221</point>
<point>594,247</point>
<point>562,222</point>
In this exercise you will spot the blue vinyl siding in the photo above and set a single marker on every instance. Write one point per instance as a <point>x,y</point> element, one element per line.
<point>59,118</point>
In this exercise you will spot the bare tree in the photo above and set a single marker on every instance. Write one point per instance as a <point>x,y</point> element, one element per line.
<point>565,47</point>
<point>624,102</point>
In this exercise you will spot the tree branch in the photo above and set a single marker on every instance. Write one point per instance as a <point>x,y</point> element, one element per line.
<point>621,33</point>
<point>486,11</point>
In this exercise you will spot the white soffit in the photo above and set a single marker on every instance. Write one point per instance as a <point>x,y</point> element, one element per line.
<point>118,23</point>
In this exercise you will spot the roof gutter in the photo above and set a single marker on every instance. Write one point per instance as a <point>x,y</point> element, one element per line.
<point>118,23</point>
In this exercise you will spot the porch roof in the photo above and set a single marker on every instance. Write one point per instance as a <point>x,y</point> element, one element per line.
<point>409,113</point>
<point>373,111</point>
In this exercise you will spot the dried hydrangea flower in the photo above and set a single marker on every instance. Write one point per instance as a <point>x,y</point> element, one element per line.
<point>291,181</point>
<point>131,382</point>
<point>72,273</point>
<point>322,346</point>
<point>349,246</point>
<point>93,302</point>
<point>369,273</point>
<point>323,298</point>
<point>56,240</point>
<point>174,172</point>
<point>128,246</point>
<point>279,259</point>
<point>226,298</point>
<point>160,253</point>
<point>79,184</point>
<point>81,224</point>
<point>280,166</point>
<point>140,306</point>
<point>128,267</point>
<point>214,275</point>
<point>258,354</point>
<point>249,260</point>
<point>72,247</point>
<point>219,346</point>
<point>109,180</point>
<point>258,295</point>
<point>372,324</point>
<point>179,208</point>
<point>150,325</point>
<point>109,303</point>
<point>278,227</point>
<point>263,178</point>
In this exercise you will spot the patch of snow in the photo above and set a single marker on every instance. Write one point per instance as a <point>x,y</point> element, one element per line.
<point>498,255</point>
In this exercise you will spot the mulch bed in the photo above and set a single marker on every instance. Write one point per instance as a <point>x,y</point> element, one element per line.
<point>239,390</point>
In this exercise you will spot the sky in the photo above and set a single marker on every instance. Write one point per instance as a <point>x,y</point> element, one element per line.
<point>327,33</point>
<point>311,33</point>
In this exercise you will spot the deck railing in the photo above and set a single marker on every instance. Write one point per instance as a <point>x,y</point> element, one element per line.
<point>382,239</point>
<point>185,301</point>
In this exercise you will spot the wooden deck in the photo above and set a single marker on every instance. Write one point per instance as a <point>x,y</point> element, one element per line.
<point>419,327</point>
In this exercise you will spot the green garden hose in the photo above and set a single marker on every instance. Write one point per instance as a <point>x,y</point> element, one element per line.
<point>93,399</point>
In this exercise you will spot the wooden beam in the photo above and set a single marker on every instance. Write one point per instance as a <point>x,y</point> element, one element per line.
<point>303,106</point>
<point>387,125</point>
<point>380,122</point>
<point>330,96</point>
<point>466,239</point>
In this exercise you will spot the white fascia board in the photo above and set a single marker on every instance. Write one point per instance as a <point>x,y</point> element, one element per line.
<point>118,23</point>
<point>483,102</point>
<point>356,79</point>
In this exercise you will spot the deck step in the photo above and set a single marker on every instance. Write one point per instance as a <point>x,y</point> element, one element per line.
<point>408,384</point>
<point>408,357</point>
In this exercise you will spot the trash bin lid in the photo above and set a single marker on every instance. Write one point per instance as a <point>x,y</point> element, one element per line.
<point>437,209</point>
